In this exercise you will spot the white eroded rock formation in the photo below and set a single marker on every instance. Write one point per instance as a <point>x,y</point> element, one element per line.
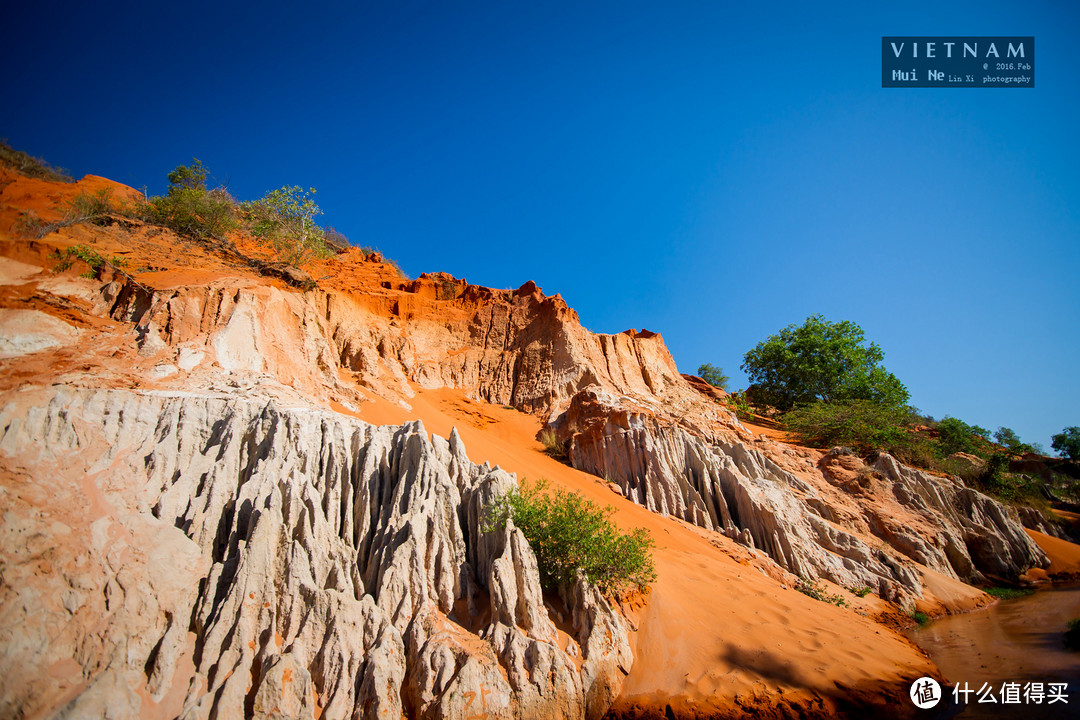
<point>180,554</point>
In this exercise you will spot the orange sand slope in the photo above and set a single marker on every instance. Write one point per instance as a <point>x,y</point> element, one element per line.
<point>1064,555</point>
<point>716,634</point>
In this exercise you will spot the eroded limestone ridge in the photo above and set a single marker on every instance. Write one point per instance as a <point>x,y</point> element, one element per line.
<point>223,557</point>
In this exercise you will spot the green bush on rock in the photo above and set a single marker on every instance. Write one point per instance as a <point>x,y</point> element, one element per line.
<point>569,533</point>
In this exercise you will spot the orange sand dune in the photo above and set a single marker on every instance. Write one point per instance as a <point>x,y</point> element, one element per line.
<point>716,634</point>
<point>1064,555</point>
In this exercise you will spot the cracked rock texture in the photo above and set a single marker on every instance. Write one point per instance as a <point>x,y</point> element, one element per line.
<point>222,557</point>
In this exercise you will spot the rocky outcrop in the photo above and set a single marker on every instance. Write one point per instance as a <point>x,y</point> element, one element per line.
<point>722,483</point>
<point>509,347</point>
<point>977,535</point>
<point>1035,520</point>
<point>227,557</point>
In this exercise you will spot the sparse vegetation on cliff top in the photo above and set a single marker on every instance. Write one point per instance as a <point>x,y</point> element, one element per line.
<point>31,166</point>
<point>284,218</point>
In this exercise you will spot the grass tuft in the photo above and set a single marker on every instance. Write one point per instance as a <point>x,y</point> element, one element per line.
<point>1005,593</point>
<point>815,590</point>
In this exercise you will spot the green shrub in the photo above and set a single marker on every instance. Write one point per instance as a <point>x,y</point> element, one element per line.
<point>88,255</point>
<point>860,424</point>
<point>739,405</point>
<point>955,435</point>
<point>286,217</point>
<point>861,592</point>
<point>94,208</point>
<point>190,209</point>
<point>569,533</point>
<point>817,591</point>
<point>919,617</point>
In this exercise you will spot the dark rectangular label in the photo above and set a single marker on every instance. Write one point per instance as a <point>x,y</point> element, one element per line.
<point>960,62</point>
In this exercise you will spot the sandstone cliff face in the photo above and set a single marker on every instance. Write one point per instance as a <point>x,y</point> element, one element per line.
<point>617,400</point>
<point>627,415</point>
<point>211,557</point>
<point>517,347</point>
<point>812,519</point>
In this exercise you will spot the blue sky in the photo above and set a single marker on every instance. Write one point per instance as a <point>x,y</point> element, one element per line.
<point>711,171</point>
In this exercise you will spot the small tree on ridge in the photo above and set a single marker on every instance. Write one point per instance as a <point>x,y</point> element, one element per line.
<point>820,361</point>
<point>286,217</point>
<point>713,375</point>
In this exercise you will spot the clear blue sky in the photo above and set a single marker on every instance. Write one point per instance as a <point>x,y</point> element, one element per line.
<point>713,171</point>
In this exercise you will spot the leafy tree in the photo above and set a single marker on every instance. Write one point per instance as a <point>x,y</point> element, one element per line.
<point>820,361</point>
<point>286,217</point>
<point>955,435</point>
<point>569,533</point>
<point>713,375</point>
<point>1067,443</point>
<point>188,177</point>
<point>189,208</point>
<point>1008,438</point>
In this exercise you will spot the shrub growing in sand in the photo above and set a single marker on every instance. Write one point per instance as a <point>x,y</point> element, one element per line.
<point>189,208</point>
<point>286,218</point>
<point>860,424</point>
<point>817,591</point>
<point>569,534</point>
<point>552,446</point>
